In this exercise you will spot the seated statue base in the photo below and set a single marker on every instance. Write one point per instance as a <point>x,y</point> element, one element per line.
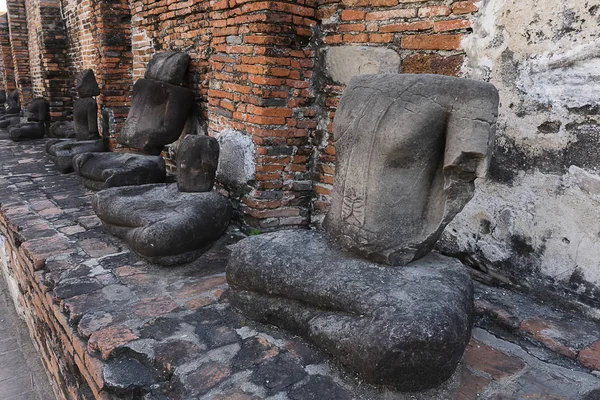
<point>162,224</point>
<point>106,170</point>
<point>405,327</point>
<point>28,131</point>
<point>9,121</point>
<point>62,151</point>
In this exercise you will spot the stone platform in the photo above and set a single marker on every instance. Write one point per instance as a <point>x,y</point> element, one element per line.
<point>108,325</point>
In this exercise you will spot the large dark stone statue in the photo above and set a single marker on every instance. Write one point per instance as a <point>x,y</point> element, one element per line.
<point>85,125</point>
<point>157,116</point>
<point>162,223</point>
<point>37,114</point>
<point>409,148</point>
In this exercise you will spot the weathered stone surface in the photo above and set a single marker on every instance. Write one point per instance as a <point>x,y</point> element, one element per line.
<point>157,115</point>
<point>87,85</point>
<point>320,387</point>
<point>105,170</point>
<point>277,374</point>
<point>168,67</point>
<point>160,223</point>
<point>62,152</point>
<point>28,131</point>
<point>197,160</point>
<point>62,129</point>
<point>342,63</point>
<point>11,121</point>
<point>85,119</point>
<point>12,103</point>
<point>405,327</point>
<point>38,110</point>
<point>409,148</point>
<point>236,163</point>
<point>127,375</point>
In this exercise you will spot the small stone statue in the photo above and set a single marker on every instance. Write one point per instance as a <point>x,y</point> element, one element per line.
<point>12,102</point>
<point>85,124</point>
<point>409,148</point>
<point>85,109</point>
<point>12,114</point>
<point>170,224</point>
<point>37,114</point>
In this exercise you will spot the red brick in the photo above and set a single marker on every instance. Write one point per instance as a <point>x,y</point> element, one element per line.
<point>464,7</point>
<point>106,340</point>
<point>432,42</point>
<point>589,357</point>
<point>353,15</point>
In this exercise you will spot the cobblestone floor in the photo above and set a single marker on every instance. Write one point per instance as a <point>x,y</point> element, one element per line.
<point>148,332</point>
<point>22,375</point>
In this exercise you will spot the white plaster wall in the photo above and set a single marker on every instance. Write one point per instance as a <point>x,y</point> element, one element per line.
<point>536,219</point>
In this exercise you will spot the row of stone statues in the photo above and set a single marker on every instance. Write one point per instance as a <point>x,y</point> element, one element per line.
<point>164,223</point>
<point>368,289</point>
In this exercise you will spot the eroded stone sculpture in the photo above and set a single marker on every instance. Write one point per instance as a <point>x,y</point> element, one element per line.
<point>85,124</point>
<point>408,153</point>
<point>409,148</point>
<point>13,106</point>
<point>175,223</point>
<point>157,116</point>
<point>37,115</point>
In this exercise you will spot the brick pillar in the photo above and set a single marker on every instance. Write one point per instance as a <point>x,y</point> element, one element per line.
<point>17,23</point>
<point>49,68</point>
<point>262,87</point>
<point>114,69</point>
<point>7,75</point>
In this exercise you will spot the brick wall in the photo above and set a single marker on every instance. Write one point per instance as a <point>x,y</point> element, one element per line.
<point>7,74</point>
<point>425,34</point>
<point>48,66</point>
<point>258,69</point>
<point>99,38</point>
<point>17,24</point>
<point>252,72</point>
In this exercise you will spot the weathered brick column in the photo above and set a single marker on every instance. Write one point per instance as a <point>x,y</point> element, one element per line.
<point>7,74</point>
<point>17,23</point>
<point>262,87</point>
<point>48,56</point>
<point>114,68</point>
<point>99,38</point>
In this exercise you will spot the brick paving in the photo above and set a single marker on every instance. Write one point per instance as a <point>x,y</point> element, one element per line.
<point>111,326</point>
<point>22,375</point>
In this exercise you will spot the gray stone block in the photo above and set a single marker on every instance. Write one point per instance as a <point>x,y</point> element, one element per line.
<point>169,67</point>
<point>197,160</point>
<point>342,63</point>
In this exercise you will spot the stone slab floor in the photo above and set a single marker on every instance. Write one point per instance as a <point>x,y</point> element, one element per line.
<point>169,333</point>
<point>22,375</point>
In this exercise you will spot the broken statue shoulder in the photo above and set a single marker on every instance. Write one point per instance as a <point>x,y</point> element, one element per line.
<point>368,290</point>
